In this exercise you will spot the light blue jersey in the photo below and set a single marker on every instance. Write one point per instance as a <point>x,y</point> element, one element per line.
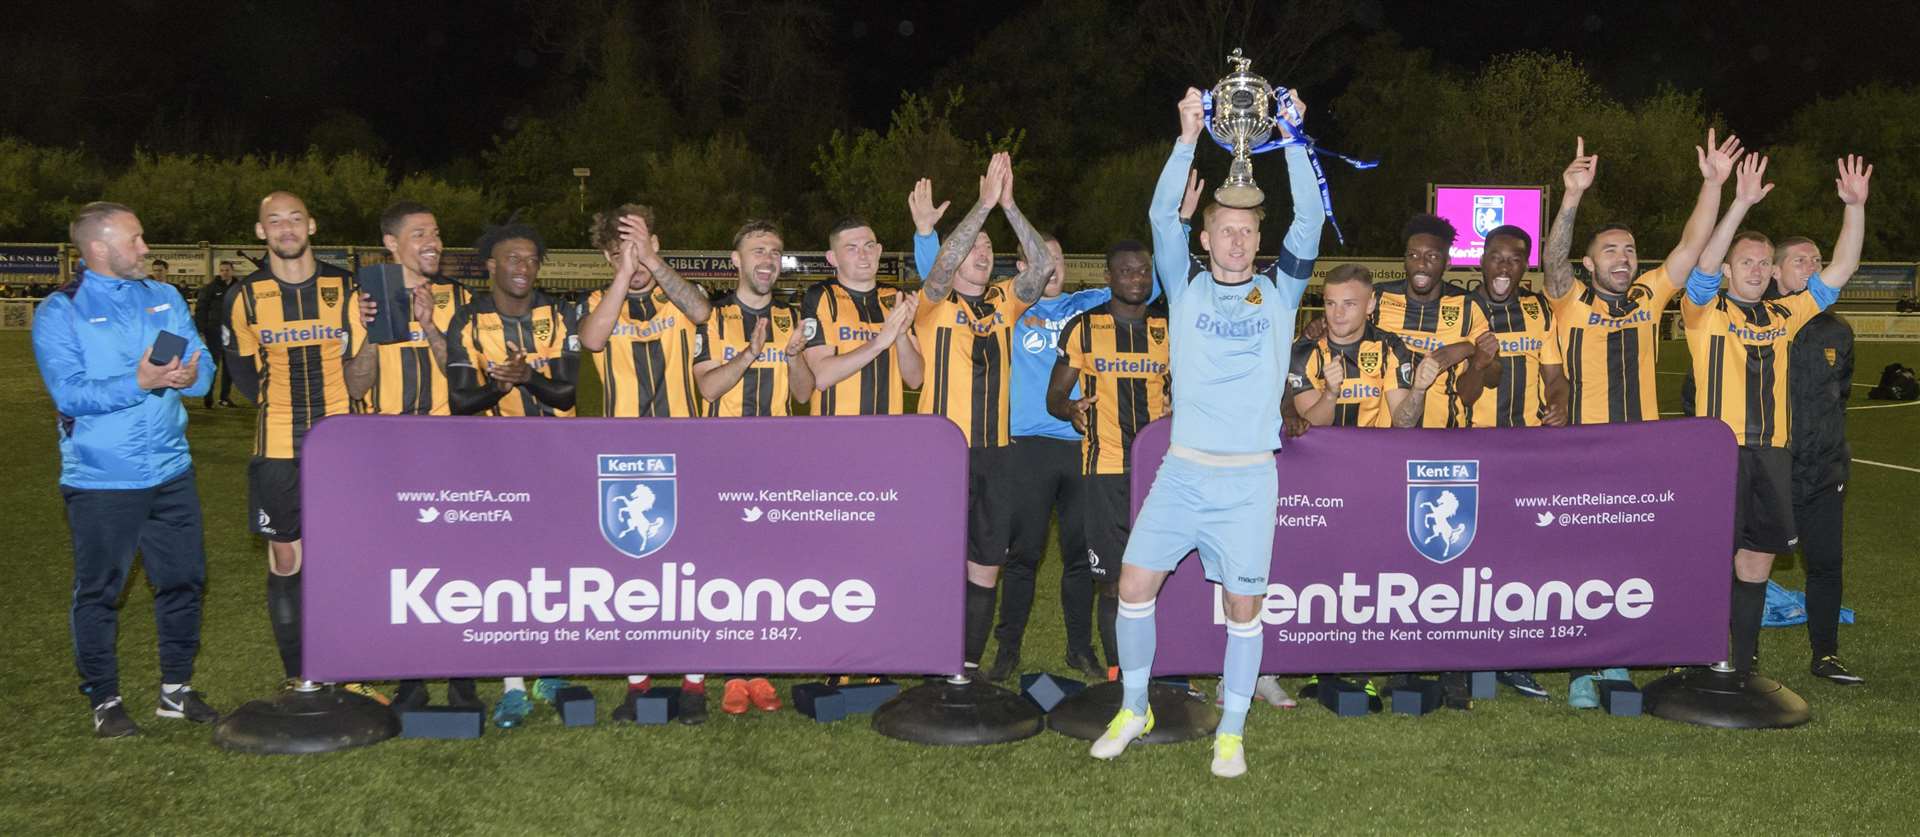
<point>1231,344</point>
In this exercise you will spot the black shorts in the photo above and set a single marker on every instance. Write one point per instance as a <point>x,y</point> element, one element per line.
<point>1106,499</point>
<point>273,498</point>
<point>1763,501</point>
<point>989,525</point>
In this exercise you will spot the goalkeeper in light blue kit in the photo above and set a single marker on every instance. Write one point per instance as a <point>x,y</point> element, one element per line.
<point>1232,332</point>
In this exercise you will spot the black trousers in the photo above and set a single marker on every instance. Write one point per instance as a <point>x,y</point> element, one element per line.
<point>226,380</point>
<point>1042,475</point>
<point>162,524</point>
<point>1820,517</point>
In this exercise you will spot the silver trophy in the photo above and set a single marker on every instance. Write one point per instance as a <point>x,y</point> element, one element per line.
<point>1241,117</point>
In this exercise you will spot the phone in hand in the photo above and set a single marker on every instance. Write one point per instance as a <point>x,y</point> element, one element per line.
<point>167,348</point>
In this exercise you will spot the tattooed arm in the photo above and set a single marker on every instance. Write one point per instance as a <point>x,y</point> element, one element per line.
<point>1577,178</point>
<point>1032,281</point>
<point>960,241</point>
<point>686,296</point>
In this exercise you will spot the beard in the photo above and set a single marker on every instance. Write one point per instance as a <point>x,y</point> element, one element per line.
<point>289,253</point>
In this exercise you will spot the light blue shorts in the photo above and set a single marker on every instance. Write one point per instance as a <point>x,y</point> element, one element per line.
<point>1227,513</point>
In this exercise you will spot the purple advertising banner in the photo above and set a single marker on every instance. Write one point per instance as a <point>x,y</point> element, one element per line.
<point>440,547</point>
<point>1448,550</point>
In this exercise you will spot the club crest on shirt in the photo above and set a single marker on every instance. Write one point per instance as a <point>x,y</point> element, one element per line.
<point>1638,293</point>
<point>1370,363</point>
<point>1253,297</point>
<point>1158,334</point>
<point>1530,308</point>
<point>542,331</point>
<point>329,296</point>
<point>1449,317</point>
<point>1833,356</point>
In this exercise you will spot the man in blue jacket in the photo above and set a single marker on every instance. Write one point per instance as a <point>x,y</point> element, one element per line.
<point>124,469</point>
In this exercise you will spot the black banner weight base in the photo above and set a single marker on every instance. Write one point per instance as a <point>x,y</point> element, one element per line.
<point>1719,697</point>
<point>958,713</point>
<point>1177,715</point>
<point>301,721</point>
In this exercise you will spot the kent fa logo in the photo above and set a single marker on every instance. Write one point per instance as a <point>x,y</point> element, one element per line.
<point>1489,212</point>
<point>637,501</point>
<point>1443,506</point>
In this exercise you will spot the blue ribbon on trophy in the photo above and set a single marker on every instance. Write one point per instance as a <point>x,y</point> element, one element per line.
<point>1244,125</point>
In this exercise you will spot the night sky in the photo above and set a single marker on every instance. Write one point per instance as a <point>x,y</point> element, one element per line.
<point>437,79</point>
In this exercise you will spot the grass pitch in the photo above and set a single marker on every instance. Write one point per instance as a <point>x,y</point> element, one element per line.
<point>1510,765</point>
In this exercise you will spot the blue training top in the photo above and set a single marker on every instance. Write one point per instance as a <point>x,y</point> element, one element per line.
<point>87,338</point>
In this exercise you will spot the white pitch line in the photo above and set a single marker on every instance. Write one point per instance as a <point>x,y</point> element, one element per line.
<point>1888,465</point>
<point>1861,386</point>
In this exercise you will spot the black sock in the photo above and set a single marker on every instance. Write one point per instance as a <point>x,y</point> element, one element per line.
<point>1749,606</point>
<point>283,612</point>
<point>979,620</point>
<point>1109,611</point>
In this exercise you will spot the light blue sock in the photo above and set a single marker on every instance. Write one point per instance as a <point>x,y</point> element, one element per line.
<point>1237,674</point>
<point>1135,631</point>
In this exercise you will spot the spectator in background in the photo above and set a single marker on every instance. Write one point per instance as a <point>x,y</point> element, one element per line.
<point>210,316</point>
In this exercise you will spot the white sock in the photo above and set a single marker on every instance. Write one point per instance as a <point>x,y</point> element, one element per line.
<point>637,679</point>
<point>694,678</point>
<point>512,683</point>
<point>170,688</point>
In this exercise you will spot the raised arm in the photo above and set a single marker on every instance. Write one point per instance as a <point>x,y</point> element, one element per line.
<point>1171,255</point>
<point>1301,246</point>
<point>1556,259</point>
<point>686,296</point>
<point>926,239</point>
<point>598,324</point>
<point>1716,165</point>
<point>960,240</point>
<point>1032,281</point>
<point>1749,189</point>
<point>1855,176</point>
